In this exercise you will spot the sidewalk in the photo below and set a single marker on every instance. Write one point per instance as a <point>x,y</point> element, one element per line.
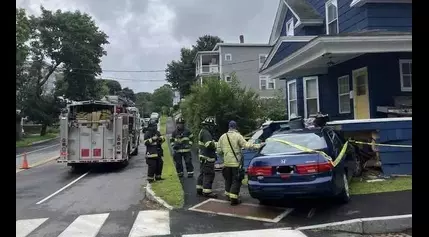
<point>37,158</point>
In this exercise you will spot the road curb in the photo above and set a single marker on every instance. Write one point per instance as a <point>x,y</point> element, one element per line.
<point>39,163</point>
<point>372,225</point>
<point>150,194</point>
<point>42,141</point>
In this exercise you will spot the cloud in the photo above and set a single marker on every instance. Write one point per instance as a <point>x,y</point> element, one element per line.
<point>148,34</point>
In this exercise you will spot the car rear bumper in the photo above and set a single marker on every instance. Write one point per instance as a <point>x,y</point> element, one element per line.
<point>321,187</point>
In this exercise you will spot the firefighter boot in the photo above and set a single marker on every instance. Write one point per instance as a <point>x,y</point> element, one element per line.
<point>190,174</point>
<point>199,191</point>
<point>150,180</point>
<point>158,177</point>
<point>180,174</point>
<point>235,201</point>
<point>210,195</point>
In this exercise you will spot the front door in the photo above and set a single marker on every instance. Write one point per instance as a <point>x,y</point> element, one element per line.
<point>360,93</point>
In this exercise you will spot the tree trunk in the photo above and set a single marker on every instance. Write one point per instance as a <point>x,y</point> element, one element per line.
<point>43,131</point>
<point>18,131</point>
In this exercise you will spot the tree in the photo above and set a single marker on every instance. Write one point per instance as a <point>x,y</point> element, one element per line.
<point>181,74</point>
<point>72,39</point>
<point>114,86</point>
<point>274,108</point>
<point>144,103</point>
<point>163,97</point>
<point>23,32</point>
<point>227,101</point>
<point>128,93</point>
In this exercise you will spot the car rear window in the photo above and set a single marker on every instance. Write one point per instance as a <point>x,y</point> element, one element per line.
<point>309,140</point>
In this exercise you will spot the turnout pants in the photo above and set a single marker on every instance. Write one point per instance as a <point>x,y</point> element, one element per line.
<point>232,182</point>
<point>178,161</point>
<point>154,167</point>
<point>206,176</point>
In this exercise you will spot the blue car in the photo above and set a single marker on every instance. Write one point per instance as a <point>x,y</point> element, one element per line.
<point>281,171</point>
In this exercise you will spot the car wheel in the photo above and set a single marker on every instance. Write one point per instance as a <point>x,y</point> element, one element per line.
<point>344,196</point>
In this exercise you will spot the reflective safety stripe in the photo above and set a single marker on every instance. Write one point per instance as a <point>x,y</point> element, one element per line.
<point>172,144</point>
<point>183,150</point>
<point>190,143</point>
<point>148,140</point>
<point>151,155</point>
<point>200,143</point>
<point>209,159</point>
<point>227,193</point>
<point>191,172</point>
<point>206,190</point>
<point>182,139</point>
<point>235,196</point>
<point>162,138</point>
<point>199,187</point>
<point>208,143</point>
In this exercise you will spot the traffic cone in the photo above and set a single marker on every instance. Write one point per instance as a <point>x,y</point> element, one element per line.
<point>25,162</point>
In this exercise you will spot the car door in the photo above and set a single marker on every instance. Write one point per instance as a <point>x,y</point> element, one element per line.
<point>337,145</point>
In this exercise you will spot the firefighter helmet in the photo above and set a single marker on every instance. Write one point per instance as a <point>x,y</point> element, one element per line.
<point>209,121</point>
<point>180,120</point>
<point>152,123</point>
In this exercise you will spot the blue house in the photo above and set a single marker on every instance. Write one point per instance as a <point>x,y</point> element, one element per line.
<point>350,59</point>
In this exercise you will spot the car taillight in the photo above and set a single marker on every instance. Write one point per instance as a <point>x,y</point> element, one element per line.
<point>314,168</point>
<point>259,171</point>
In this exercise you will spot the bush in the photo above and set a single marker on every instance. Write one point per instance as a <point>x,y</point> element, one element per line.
<point>226,101</point>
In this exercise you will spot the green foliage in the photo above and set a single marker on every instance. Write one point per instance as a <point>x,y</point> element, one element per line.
<point>114,86</point>
<point>225,101</point>
<point>181,74</point>
<point>144,103</point>
<point>128,93</point>
<point>274,108</point>
<point>162,97</point>
<point>23,32</point>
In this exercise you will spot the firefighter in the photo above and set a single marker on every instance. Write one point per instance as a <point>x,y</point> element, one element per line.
<point>207,150</point>
<point>152,141</point>
<point>229,146</point>
<point>181,141</point>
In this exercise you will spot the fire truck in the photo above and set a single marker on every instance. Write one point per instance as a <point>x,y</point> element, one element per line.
<point>97,132</point>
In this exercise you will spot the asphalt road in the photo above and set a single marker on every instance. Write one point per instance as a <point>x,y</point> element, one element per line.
<point>117,192</point>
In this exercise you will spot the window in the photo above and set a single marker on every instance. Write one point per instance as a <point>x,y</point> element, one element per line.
<point>262,58</point>
<point>292,99</point>
<point>266,83</point>
<point>290,27</point>
<point>313,141</point>
<point>228,78</point>
<point>311,96</point>
<point>263,82</point>
<point>405,69</point>
<point>344,94</point>
<point>331,9</point>
<point>228,57</point>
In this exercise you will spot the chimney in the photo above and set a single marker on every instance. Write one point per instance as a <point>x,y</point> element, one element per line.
<point>241,39</point>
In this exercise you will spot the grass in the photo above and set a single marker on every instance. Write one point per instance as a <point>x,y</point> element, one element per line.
<point>389,185</point>
<point>363,187</point>
<point>26,141</point>
<point>170,189</point>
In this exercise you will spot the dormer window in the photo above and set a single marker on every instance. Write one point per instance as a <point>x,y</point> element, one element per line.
<point>290,27</point>
<point>331,10</point>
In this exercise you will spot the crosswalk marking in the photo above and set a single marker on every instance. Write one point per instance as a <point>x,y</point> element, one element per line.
<point>25,227</point>
<point>85,226</point>
<point>254,233</point>
<point>151,223</point>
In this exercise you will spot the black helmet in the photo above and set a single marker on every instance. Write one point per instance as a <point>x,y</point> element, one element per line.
<point>152,123</point>
<point>209,121</point>
<point>180,120</point>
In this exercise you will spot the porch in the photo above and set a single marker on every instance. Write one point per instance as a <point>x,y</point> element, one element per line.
<point>206,63</point>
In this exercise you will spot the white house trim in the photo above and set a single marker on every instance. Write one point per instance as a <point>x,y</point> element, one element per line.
<point>282,40</point>
<point>347,77</point>
<point>404,89</point>
<point>288,97</point>
<point>359,3</point>
<point>335,3</point>
<point>323,45</point>
<point>220,61</point>
<point>290,31</point>
<point>304,81</point>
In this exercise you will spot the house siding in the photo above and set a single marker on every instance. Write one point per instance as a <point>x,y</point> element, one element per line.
<point>285,49</point>
<point>245,66</point>
<point>351,18</point>
<point>310,30</point>
<point>288,16</point>
<point>390,16</point>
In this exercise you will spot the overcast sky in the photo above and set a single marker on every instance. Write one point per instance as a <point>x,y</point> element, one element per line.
<point>147,34</point>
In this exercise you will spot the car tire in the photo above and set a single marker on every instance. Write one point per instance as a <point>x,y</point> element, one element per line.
<point>344,196</point>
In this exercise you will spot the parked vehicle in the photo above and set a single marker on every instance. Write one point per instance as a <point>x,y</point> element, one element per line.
<point>135,129</point>
<point>96,132</point>
<point>280,171</point>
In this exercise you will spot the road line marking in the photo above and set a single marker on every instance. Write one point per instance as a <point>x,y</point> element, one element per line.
<point>41,149</point>
<point>25,227</point>
<point>311,213</point>
<point>256,233</point>
<point>150,223</point>
<point>61,189</point>
<point>85,226</point>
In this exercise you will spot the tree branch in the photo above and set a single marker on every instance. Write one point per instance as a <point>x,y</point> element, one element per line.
<point>46,77</point>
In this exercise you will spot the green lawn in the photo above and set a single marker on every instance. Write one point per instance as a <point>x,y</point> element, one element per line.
<point>26,141</point>
<point>389,185</point>
<point>170,189</point>
<point>363,187</point>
